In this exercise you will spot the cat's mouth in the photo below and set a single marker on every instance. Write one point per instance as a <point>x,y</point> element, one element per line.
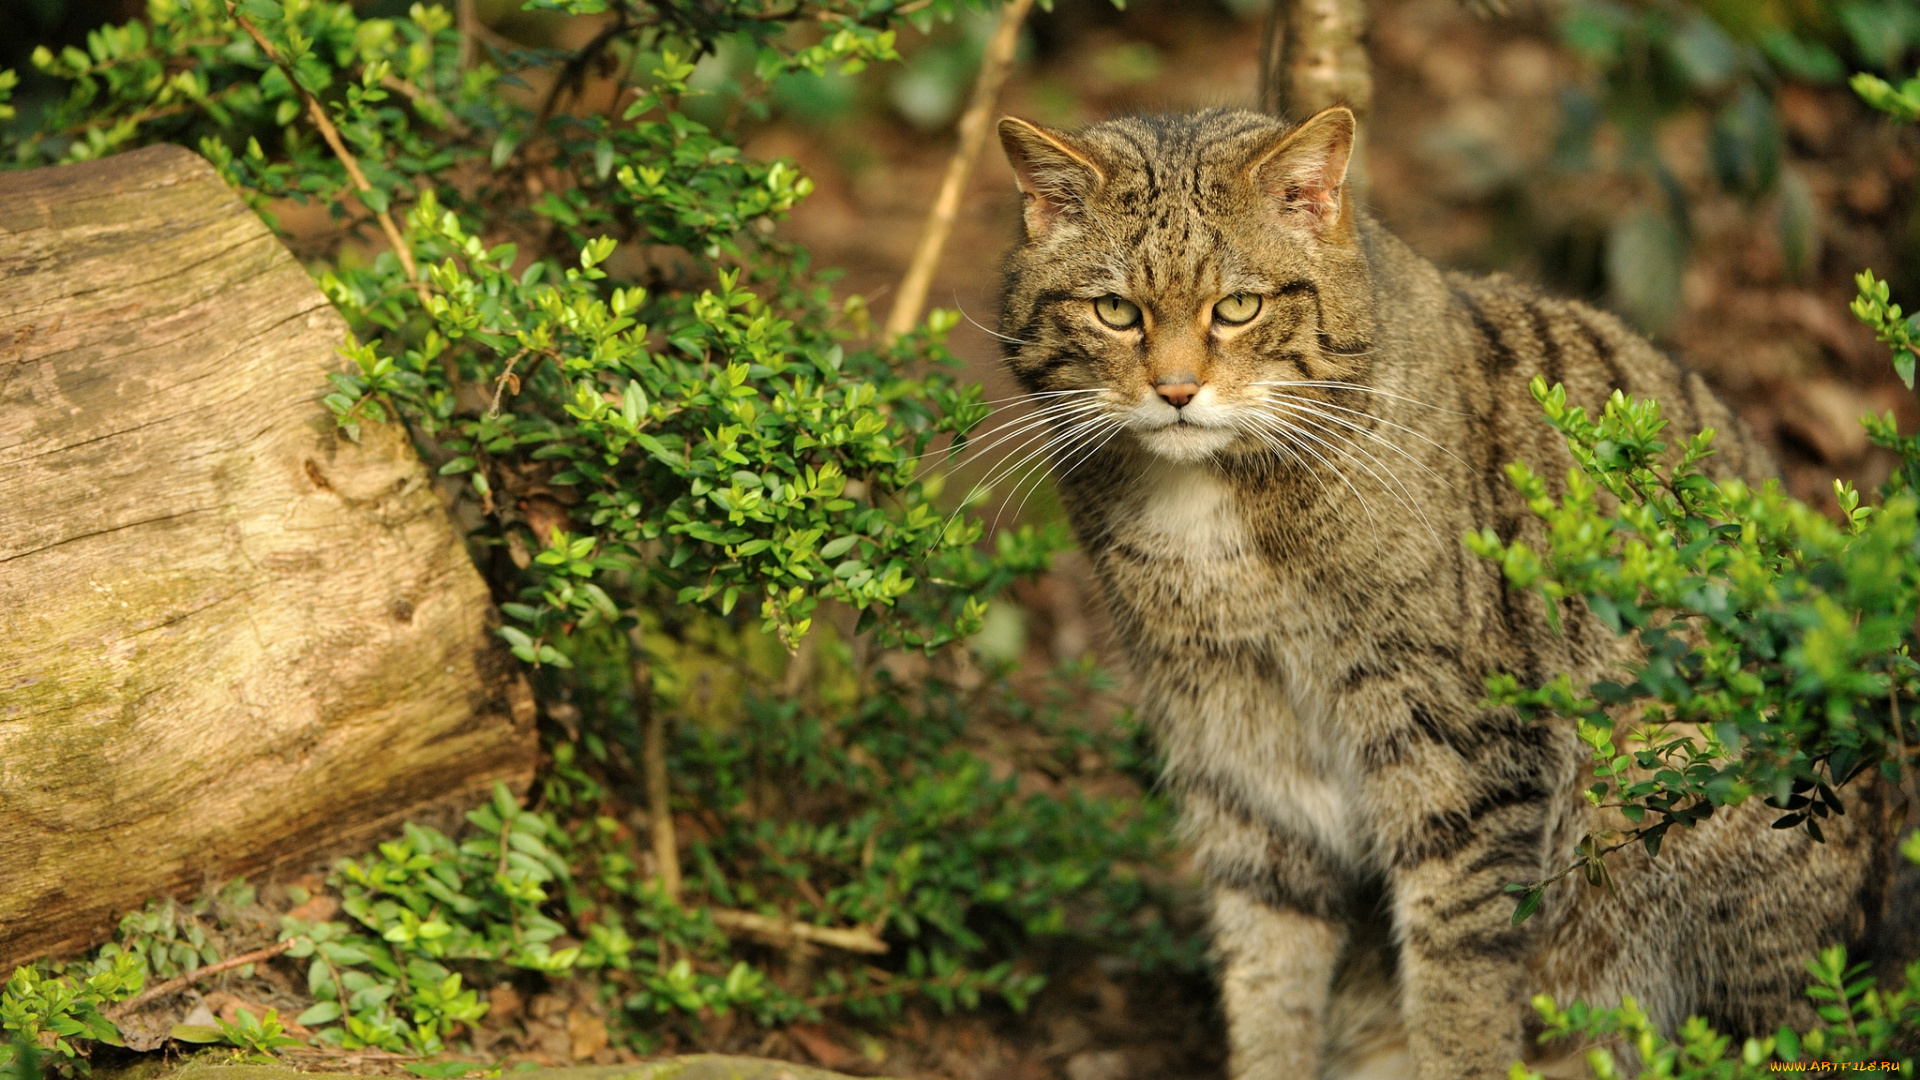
<point>1185,439</point>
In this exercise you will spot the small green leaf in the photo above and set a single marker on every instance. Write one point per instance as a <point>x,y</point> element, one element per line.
<point>325,1012</point>
<point>1529,903</point>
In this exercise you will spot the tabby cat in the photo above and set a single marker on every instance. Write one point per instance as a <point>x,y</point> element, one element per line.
<point>1271,423</point>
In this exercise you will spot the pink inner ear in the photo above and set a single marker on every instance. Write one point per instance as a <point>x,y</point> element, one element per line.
<point>1317,199</point>
<point>1310,184</point>
<point>1306,191</point>
<point>1303,175</point>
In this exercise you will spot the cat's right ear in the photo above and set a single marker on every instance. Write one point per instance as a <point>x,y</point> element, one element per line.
<point>1055,177</point>
<point>1306,172</point>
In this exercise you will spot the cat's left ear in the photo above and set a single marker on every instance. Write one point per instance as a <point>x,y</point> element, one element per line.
<point>1305,172</point>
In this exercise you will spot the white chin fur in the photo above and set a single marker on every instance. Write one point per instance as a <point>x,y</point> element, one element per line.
<point>1186,442</point>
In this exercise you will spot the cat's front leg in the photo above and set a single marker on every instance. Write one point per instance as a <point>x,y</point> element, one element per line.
<point>1275,935</point>
<point>1276,979</point>
<point>1463,964</point>
<point>1462,973</point>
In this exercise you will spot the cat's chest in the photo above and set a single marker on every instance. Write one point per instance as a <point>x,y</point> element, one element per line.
<point>1213,627</point>
<point>1181,557</point>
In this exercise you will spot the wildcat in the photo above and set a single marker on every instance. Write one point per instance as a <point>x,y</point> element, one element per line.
<point>1271,423</point>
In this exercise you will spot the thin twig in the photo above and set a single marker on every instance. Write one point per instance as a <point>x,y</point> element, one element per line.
<point>500,384</point>
<point>973,134</point>
<point>419,96</point>
<point>1905,786</point>
<point>332,137</point>
<point>1315,56</point>
<point>881,989</point>
<point>571,77</point>
<point>784,931</point>
<point>653,752</point>
<point>463,21</point>
<point>1599,856</point>
<point>182,982</point>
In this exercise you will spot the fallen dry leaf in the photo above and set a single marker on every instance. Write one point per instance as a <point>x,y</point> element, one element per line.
<point>588,1033</point>
<point>504,1004</point>
<point>815,1041</point>
<point>319,909</point>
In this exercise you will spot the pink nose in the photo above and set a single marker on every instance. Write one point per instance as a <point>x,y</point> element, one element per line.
<point>1178,394</point>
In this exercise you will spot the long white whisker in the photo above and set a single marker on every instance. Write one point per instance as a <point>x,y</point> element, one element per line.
<point>1334,385</point>
<point>1313,409</point>
<point>1083,436</point>
<point>1002,470</point>
<point>1061,440</point>
<point>1395,488</point>
<point>1026,396</point>
<point>1273,439</point>
<point>1293,448</point>
<point>1067,434</point>
<point>1361,412</point>
<point>1295,437</point>
<point>1017,425</point>
<point>983,326</point>
<point>1086,453</point>
<point>1331,467</point>
<point>993,437</point>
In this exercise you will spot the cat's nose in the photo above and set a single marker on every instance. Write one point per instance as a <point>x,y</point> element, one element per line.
<point>1177,394</point>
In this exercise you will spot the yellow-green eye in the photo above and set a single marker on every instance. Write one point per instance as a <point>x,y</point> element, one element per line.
<point>1117,313</point>
<point>1236,309</point>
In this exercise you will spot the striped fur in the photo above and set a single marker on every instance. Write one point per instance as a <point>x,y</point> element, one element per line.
<point>1311,637</point>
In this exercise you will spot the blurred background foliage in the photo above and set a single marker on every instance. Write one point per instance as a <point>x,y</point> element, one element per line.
<point>1697,165</point>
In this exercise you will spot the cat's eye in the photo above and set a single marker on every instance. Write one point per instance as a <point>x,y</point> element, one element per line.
<point>1117,313</point>
<point>1237,309</point>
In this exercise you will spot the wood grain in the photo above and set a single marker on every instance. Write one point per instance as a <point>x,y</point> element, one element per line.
<point>230,639</point>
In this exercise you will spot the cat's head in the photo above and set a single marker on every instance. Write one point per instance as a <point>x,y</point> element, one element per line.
<point>1172,268</point>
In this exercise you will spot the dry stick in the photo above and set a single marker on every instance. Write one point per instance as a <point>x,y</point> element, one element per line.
<point>653,755</point>
<point>666,850</point>
<point>191,977</point>
<point>782,931</point>
<point>464,19</point>
<point>1905,786</point>
<point>500,384</point>
<point>332,136</point>
<point>973,134</point>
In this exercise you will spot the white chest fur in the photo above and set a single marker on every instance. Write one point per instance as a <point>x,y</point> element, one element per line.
<point>1190,512</point>
<point>1217,667</point>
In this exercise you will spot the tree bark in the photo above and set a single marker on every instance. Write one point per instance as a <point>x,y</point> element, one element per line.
<point>230,640</point>
<point>1314,57</point>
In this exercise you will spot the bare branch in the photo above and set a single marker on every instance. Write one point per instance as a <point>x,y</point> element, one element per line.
<point>653,752</point>
<point>332,137</point>
<point>784,932</point>
<point>174,985</point>
<point>1315,57</point>
<point>973,134</point>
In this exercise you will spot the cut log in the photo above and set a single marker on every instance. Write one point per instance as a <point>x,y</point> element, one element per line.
<point>230,639</point>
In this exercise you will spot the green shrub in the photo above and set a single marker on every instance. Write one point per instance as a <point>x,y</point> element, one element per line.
<point>1786,639</point>
<point>676,448</point>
